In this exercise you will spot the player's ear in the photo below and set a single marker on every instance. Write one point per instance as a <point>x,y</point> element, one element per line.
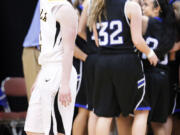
<point>157,10</point>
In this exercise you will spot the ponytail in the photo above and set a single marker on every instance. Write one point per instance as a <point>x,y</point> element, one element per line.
<point>97,9</point>
<point>169,26</point>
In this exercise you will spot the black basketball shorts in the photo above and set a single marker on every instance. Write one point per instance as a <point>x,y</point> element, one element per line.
<point>157,87</point>
<point>119,85</point>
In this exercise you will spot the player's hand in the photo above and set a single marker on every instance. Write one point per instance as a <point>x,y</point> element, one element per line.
<point>153,59</point>
<point>85,57</point>
<point>65,95</point>
<point>176,47</point>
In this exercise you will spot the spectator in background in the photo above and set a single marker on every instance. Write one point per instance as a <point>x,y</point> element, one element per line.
<point>31,51</point>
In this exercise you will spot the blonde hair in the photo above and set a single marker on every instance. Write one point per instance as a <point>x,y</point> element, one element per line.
<point>97,8</point>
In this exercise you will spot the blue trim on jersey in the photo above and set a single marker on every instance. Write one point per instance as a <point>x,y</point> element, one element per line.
<point>79,76</point>
<point>158,18</point>
<point>82,106</point>
<point>172,1</point>
<point>143,108</point>
<point>81,7</point>
<point>141,82</point>
<point>177,110</point>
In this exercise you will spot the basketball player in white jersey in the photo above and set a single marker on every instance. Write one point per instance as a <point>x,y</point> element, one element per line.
<point>52,102</point>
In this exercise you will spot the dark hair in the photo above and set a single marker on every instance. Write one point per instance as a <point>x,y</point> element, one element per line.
<point>169,25</point>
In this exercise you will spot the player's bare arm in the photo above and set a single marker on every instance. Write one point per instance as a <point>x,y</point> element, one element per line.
<point>134,13</point>
<point>69,23</point>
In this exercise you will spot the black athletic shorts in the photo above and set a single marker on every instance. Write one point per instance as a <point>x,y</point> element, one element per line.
<point>174,85</point>
<point>89,66</point>
<point>81,98</point>
<point>158,90</point>
<point>177,104</point>
<point>119,85</point>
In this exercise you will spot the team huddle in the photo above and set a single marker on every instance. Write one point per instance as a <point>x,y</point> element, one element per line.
<point>121,70</point>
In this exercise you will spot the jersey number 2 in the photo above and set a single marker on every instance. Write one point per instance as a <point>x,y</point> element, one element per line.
<point>154,46</point>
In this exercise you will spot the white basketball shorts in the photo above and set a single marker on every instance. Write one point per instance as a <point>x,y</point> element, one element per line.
<point>44,109</point>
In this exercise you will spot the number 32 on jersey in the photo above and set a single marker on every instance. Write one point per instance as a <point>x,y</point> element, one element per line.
<point>114,38</point>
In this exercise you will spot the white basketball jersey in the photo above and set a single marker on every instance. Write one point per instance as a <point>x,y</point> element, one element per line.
<point>50,37</point>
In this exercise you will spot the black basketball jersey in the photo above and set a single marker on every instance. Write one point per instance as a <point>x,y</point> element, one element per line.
<point>153,38</point>
<point>91,45</point>
<point>114,29</point>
